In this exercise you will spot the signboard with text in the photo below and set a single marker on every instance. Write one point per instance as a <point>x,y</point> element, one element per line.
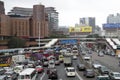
<point>80,29</point>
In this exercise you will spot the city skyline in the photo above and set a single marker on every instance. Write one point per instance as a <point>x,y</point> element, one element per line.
<point>70,11</point>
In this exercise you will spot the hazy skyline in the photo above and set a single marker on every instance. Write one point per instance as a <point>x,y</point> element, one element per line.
<point>70,11</point>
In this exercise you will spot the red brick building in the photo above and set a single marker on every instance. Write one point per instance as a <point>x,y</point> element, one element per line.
<point>28,27</point>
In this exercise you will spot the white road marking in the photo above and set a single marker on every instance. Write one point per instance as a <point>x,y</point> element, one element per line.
<point>80,78</point>
<point>42,76</point>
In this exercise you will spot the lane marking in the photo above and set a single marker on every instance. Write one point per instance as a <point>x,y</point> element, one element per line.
<point>42,76</point>
<point>80,78</point>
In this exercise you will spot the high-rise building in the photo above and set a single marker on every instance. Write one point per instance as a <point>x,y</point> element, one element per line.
<point>113,18</point>
<point>2,10</point>
<point>52,18</point>
<point>88,21</point>
<point>21,11</point>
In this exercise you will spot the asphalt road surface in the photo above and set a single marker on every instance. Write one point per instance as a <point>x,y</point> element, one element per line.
<point>62,75</point>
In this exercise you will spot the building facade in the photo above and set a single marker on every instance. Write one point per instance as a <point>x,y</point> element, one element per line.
<point>2,9</point>
<point>112,27</point>
<point>21,11</point>
<point>113,18</point>
<point>25,25</point>
<point>52,18</point>
<point>50,13</point>
<point>20,27</point>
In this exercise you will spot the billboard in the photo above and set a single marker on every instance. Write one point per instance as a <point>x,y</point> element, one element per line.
<point>111,25</point>
<point>86,29</point>
<point>74,29</point>
<point>80,29</point>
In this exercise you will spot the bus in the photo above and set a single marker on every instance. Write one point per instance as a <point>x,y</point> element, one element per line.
<point>28,74</point>
<point>5,60</point>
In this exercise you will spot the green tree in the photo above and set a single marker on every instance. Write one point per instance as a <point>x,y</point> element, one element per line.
<point>16,42</point>
<point>94,36</point>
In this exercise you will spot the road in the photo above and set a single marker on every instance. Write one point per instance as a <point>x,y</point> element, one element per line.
<point>110,61</point>
<point>62,75</point>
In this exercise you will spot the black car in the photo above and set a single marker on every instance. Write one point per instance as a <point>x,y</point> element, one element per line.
<point>52,74</point>
<point>2,70</point>
<point>81,67</point>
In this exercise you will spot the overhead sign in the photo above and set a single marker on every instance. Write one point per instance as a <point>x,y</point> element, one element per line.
<point>69,41</point>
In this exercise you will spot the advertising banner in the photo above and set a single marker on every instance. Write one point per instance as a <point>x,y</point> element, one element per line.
<point>80,29</point>
<point>86,29</point>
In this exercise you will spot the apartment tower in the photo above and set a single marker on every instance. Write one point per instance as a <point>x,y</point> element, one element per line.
<point>2,9</point>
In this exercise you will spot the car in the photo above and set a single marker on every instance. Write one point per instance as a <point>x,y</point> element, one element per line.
<point>81,66</point>
<point>8,68</point>
<point>57,62</point>
<point>61,57</point>
<point>11,75</point>
<point>45,63</point>
<point>103,77</point>
<point>74,57</point>
<point>70,71</point>
<point>2,70</point>
<point>39,69</point>
<point>103,70</point>
<point>87,57</point>
<point>96,65</point>
<point>3,77</point>
<point>52,73</point>
<point>89,73</point>
<point>114,75</point>
<point>101,54</point>
<point>51,64</point>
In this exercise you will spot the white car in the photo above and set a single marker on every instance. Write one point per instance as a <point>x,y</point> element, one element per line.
<point>51,64</point>
<point>74,57</point>
<point>70,71</point>
<point>103,77</point>
<point>96,65</point>
<point>114,75</point>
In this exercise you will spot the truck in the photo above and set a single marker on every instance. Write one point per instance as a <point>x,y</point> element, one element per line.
<point>18,58</point>
<point>67,60</point>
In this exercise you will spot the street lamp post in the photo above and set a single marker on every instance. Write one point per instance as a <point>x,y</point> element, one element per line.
<point>39,34</point>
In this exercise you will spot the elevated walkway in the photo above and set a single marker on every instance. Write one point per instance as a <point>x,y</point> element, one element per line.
<point>50,43</point>
<point>116,41</point>
<point>111,43</point>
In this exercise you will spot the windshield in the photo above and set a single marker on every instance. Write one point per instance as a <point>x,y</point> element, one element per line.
<point>103,78</point>
<point>71,70</point>
<point>117,75</point>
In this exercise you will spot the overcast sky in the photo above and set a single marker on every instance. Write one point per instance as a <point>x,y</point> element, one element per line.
<point>71,10</point>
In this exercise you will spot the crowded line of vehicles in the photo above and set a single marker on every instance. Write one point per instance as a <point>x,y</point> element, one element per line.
<point>30,67</point>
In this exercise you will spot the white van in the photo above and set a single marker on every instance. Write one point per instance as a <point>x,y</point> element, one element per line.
<point>70,71</point>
